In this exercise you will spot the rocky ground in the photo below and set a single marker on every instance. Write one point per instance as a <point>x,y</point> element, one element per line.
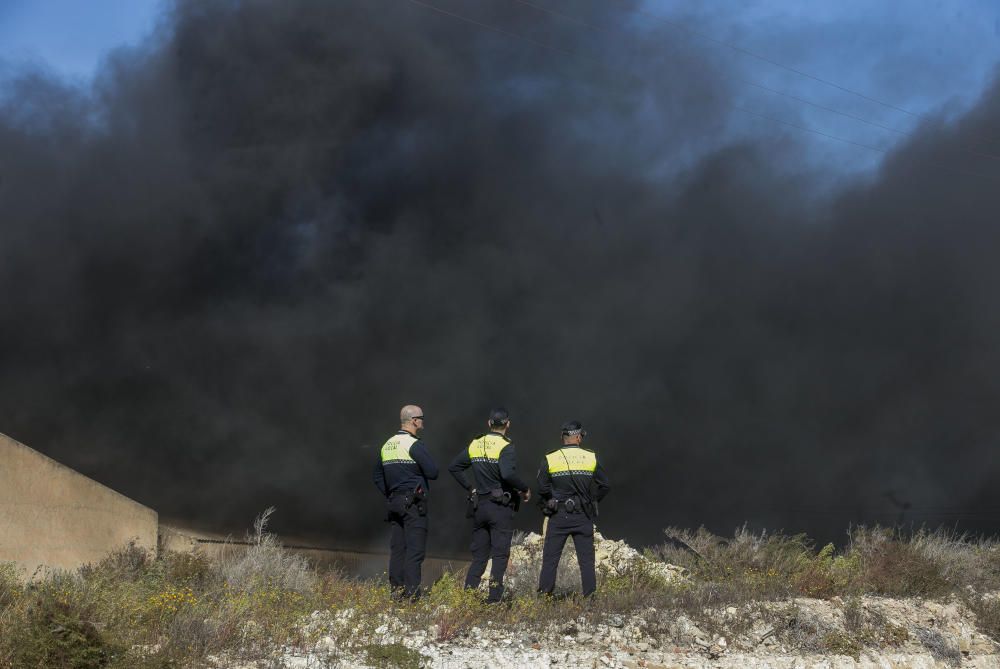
<point>797,633</point>
<point>925,634</point>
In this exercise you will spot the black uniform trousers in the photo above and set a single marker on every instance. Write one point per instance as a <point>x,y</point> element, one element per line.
<point>407,545</point>
<point>562,525</point>
<point>492,531</point>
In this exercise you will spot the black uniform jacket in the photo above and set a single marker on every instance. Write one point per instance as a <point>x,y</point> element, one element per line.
<point>494,464</point>
<point>570,471</point>
<point>403,464</point>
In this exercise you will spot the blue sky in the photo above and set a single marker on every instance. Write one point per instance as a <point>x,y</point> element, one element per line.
<point>927,56</point>
<point>915,52</point>
<point>71,37</point>
<point>930,57</point>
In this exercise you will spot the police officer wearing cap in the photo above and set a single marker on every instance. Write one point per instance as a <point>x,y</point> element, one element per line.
<point>496,496</point>
<point>571,481</point>
<point>402,471</point>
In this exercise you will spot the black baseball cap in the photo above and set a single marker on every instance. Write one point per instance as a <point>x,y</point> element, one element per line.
<point>573,427</point>
<point>499,416</point>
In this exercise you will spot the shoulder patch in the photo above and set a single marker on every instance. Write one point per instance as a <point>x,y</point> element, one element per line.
<point>570,461</point>
<point>397,449</point>
<point>487,447</point>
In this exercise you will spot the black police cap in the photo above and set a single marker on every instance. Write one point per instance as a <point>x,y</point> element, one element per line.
<point>499,416</point>
<point>573,427</point>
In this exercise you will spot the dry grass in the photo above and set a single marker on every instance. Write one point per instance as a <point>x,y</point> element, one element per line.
<point>184,610</point>
<point>522,577</point>
<point>130,610</point>
<point>879,561</point>
<point>263,563</point>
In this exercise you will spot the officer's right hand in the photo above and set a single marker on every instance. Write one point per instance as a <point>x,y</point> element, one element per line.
<point>525,495</point>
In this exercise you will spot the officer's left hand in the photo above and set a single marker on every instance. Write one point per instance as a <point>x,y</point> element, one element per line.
<point>525,495</point>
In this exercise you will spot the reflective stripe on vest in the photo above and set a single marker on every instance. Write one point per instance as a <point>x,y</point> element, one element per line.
<point>487,448</point>
<point>397,449</point>
<point>569,461</point>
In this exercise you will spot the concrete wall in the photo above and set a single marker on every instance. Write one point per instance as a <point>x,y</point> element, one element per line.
<point>52,516</point>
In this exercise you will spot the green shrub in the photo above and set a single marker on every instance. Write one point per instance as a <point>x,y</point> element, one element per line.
<point>392,656</point>
<point>842,643</point>
<point>54,636</point>
<point>453,608</point>
<point>134,610</point>
<point>11,585</point>
<point>126,563</point>
<point>192,569</point>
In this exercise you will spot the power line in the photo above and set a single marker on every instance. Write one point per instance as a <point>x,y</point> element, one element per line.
<point>749,82</point>
<point>544,45</point>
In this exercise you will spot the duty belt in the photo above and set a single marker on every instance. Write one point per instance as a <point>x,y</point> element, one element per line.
<point>501,497</point>
<point>572,505</point>
<point>410,497</point>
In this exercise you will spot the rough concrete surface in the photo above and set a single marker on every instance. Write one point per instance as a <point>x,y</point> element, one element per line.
<point>54,517</point>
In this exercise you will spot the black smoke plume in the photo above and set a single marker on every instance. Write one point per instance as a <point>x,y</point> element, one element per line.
<point>229,262</point>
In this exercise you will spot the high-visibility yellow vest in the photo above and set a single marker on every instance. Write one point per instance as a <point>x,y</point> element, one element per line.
<point>397,449</point>
<point>570,460</point>
<point>487,448</point>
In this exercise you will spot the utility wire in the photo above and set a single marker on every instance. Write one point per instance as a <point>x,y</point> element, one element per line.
<point>543,45</point>
<point>748,82</point>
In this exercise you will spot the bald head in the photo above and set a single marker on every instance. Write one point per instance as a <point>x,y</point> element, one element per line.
<point>411,418</point>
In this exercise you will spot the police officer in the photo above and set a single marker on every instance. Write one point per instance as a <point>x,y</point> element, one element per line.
<point>571,481</point>
<point>402,471</point>
<point>494,499</point>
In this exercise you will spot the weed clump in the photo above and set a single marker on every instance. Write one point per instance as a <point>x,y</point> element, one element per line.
<point>987,612</point>
<point>392,656</point>
<point>265,564</point>
<point>876,561</point>
<point>54,633</point>
<point>134,609</point>
<point>891,566</point>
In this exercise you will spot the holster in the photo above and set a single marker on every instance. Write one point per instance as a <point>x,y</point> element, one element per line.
<point>400,503</point>
<point>550,507</point>
<point>471,504</point>
<point>419,500</point>
<point>504,498</point>
<point>577,505</point>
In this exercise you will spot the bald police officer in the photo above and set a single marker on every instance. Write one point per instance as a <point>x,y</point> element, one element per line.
<point>494,499</point>
<point>402,471</point>
<point>571,481</point>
